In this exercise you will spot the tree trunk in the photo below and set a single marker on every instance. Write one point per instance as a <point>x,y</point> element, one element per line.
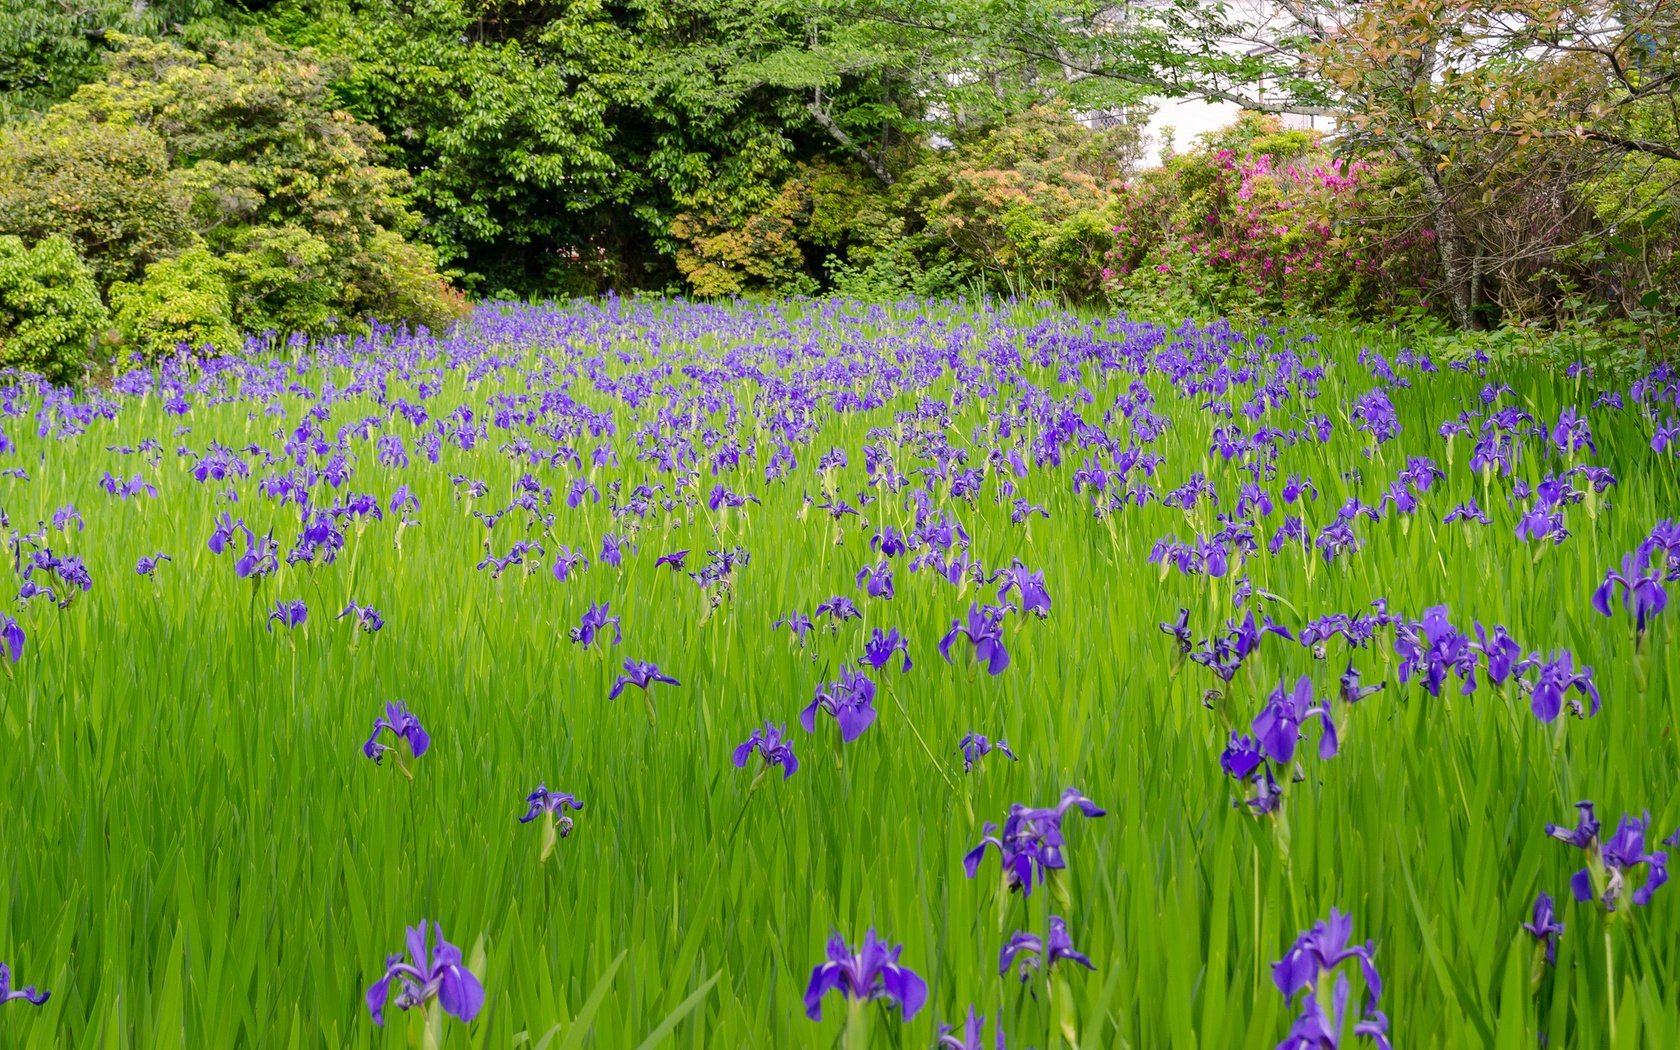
<point>838,134</point>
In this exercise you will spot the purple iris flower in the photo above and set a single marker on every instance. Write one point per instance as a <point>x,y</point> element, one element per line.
<point>1554,679</point>
<point>870,973</point>
<point>641,675</point>
<point>1501,655</point>
<point>612,550</point>
<point>566,563</point>
<point>878,650</point>
<point>149,565</point>
<point>438,974</point>
<point>554,803</point>
<point>1034,598</point>
<point>674,560</point>
<point>974,746</point>
<point>27,993</point>
<point>1609,862</point>
<point>770,742</point>
<point>1320,950</point>
<point>290,614</point>
<point>984,632</point>
<point>226,526</point>
<point>1572,432</point>
<point>594,623</point>
<point>973,1034</point>
<point>1467,512</point>
<point>402,723</point>
<point>840,609</point>
<point>1642,590</point>
<point>850,699</point>
<point>261,557</point>
<point>798,623</point>
<point>1030,842</point>
<point>1351,691</point>
<point>879,578</point>
<point>1180,630</point>
<point>1278,725</point>
<point>1545,926</point>
<point>63,516</point>
<point>1434,647</point>
<point>364,616</point>
<point>1060,947</point>
<point>12,636</point>
<point>1320,1026</point>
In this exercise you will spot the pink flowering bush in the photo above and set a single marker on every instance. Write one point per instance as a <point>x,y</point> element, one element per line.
<point>1262,221</point>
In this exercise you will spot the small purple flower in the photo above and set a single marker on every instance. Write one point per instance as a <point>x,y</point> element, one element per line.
<point>770,742</point>
<point>1467,512</point>
<point>1609,862</point>
<point>365,617</point>
<point>1028,944</point>
<point>850,699</point>
<point>877,579</point>
<point>1351,691</point>
<point>1031,841</point>
<point>594,623</point>
<point>878,650</point>
<point>402,723</point>
<point>261,557</point>
<point>1545,926</point>
<point>674,560</point>
<point>226,526</point>
<point>640,674</point>
<point>840,608</point>
<point>149,565</point>
<point>1553,680</point>
<point>973,1034</point>
<point>1278,725</point>
<point>1642,590</point>
<point>1320,1028</point>
<point>290,614</point>
<point>984,632</point>
<point>428,975</point>
<point>554,803</point>
<point>798,623</point>
<point>870,973</point>
<point>974,746</point>
<point>1034,598</point>
<point>12,636</point>
<point>566,563</point>
<point>27,993</point>
<point>1179,628</point>
<point>1321,949</point>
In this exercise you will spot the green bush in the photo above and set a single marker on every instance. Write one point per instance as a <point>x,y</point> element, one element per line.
<point>50,311</point>
<point>181,300</point>
<point>108,188</point>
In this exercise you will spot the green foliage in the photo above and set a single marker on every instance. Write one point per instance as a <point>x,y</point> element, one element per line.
<point>1224,230</point>
<point>50,311</point>
<point>50,47</point>
<point>240,150</point>
<point>109,188</point>
<point>185,299</point>
<point>1022,204</point>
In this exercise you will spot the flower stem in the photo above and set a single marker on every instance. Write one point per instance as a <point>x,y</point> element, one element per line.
<point>1610,980</point>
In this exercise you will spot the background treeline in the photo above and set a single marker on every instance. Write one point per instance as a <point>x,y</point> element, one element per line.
<point>185,170</point>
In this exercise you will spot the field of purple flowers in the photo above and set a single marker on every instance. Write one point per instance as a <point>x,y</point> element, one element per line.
<point>637,674</point>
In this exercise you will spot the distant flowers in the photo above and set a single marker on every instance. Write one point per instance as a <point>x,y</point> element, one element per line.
<point>1030,844</point>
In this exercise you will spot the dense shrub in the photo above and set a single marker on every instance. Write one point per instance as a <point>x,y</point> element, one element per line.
<point>108,188</point>
<point>1263,220</point>
<point>50,311</point>
<point>181,300</point>
<point>222,190</point>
